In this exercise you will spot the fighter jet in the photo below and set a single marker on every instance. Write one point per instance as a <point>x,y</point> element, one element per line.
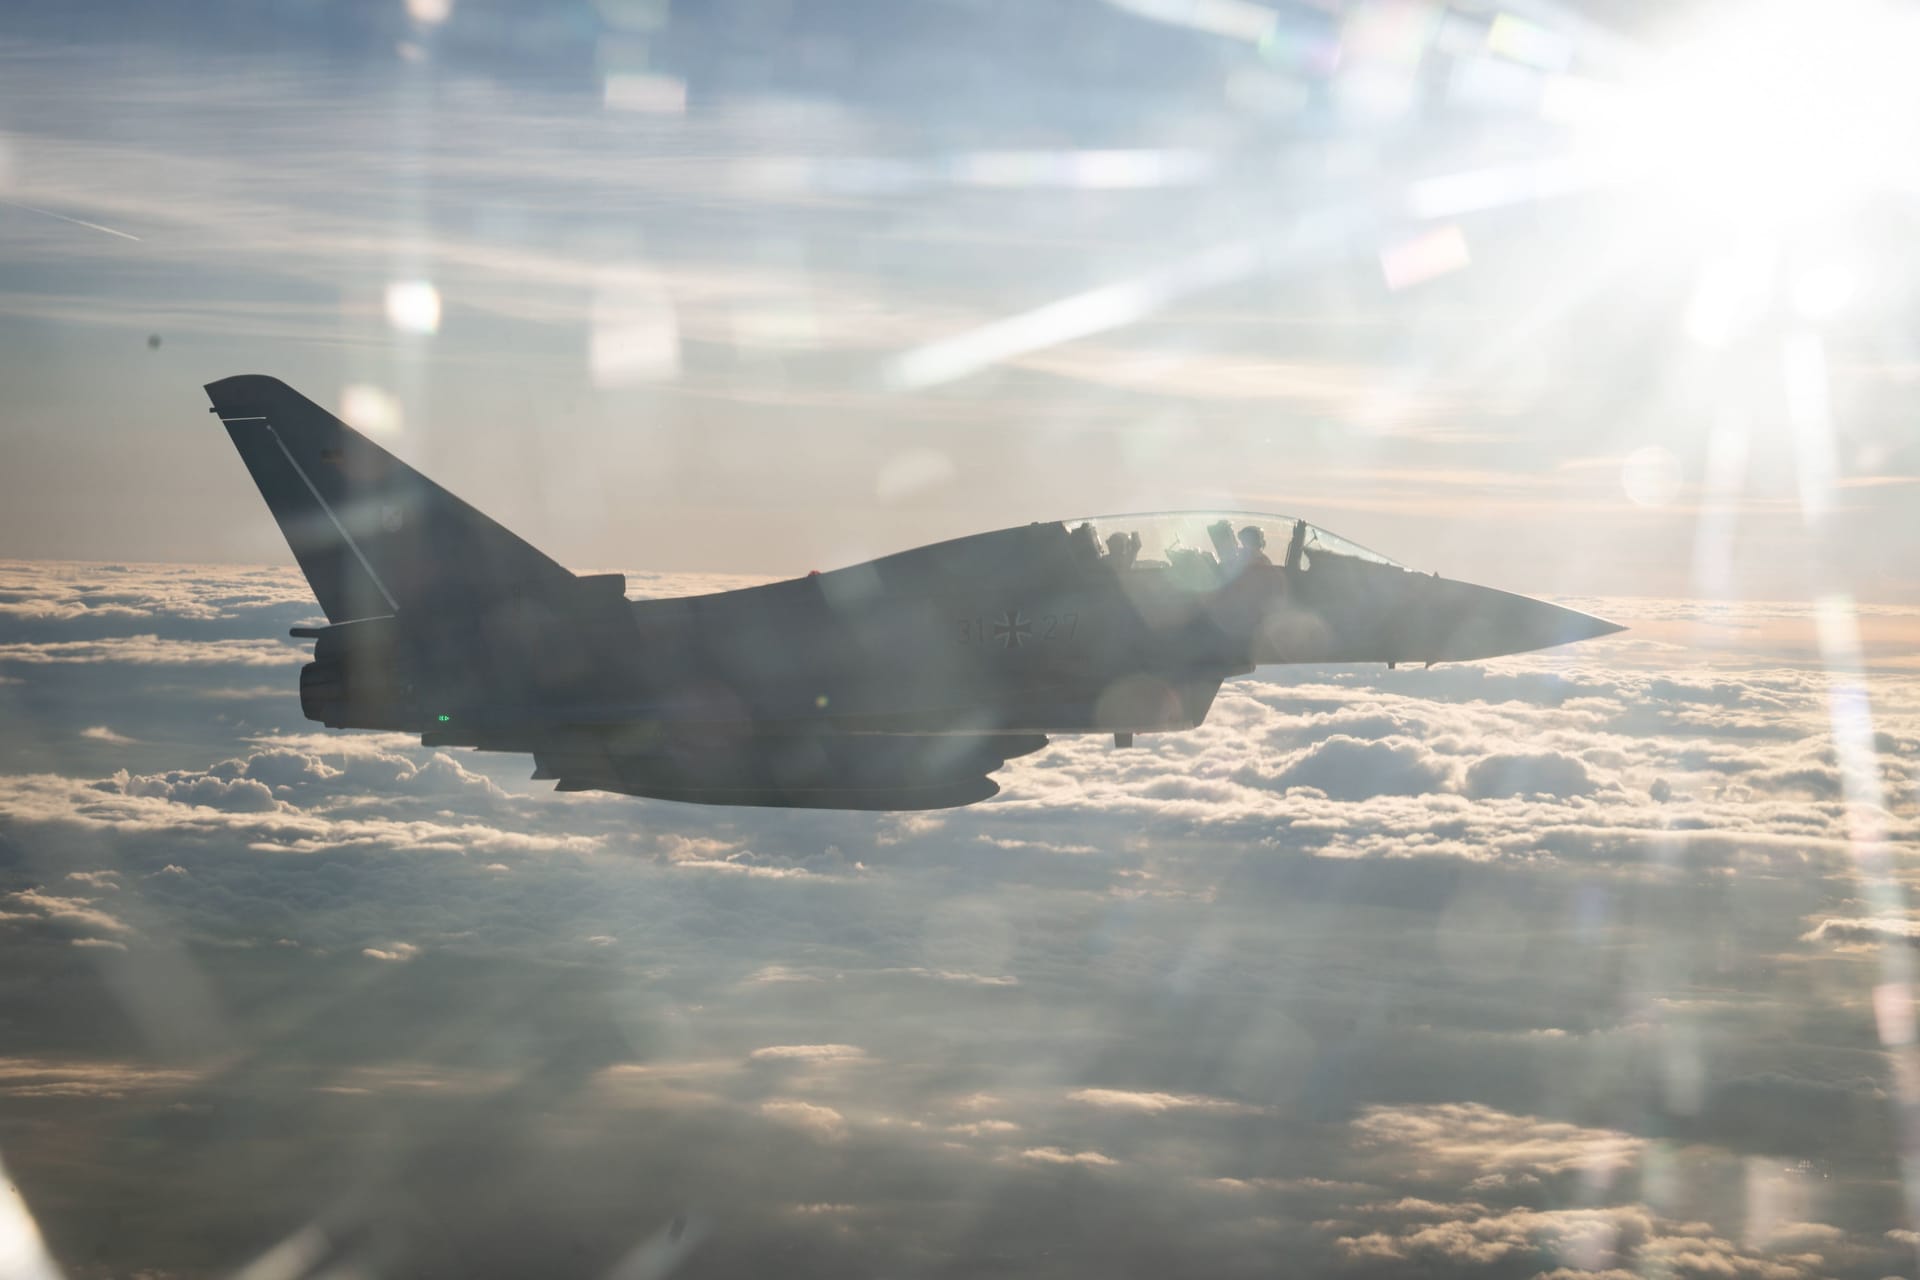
<point>900,683</point>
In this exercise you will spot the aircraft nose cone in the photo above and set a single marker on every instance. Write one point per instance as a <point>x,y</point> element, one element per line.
<point>1480,622</point>
<point>1552,624</point>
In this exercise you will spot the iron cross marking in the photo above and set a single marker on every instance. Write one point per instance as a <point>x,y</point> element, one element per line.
<point>1013,630</point>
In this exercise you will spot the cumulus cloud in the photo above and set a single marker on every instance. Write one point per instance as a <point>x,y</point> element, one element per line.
<point>984,1128</point>
<point>1589,1240</point>
<point>820,1122</point>
<point>1151,1103</point>
<point>393,951</point>
<point>1467,1136</point>
<point>75,912</point>
<point>1855,934</point>
<point>209,790</point>
<point>811,1053</point>
<point>1054,1155</point>
<point>51,591</point>
<point>1348,768</point>
<point>776,973</point>
<point>1549,773</point>
<point>151,650</point>
<point>69,1077</point>
<point>372,799</point>
<point>960,977</point>
<point>1413,1235</point>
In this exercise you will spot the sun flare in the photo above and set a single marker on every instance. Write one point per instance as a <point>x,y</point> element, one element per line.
<point>1773,118</point>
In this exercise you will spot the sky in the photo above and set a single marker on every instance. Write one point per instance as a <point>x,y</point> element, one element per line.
<point>760,289</point>
<point>1589,963</point>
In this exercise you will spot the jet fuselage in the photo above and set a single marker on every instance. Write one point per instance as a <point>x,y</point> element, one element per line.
<point>897,683</point>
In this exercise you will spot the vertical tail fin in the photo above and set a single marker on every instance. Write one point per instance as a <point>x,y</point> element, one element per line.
<point>372,535</point>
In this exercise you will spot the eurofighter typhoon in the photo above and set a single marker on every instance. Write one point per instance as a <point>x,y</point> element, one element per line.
<point>901,683</point>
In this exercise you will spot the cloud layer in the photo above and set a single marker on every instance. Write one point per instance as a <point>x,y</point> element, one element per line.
<point>1570,965</point>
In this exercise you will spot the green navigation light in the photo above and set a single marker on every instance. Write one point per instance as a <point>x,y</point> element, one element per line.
<point>444,719</point>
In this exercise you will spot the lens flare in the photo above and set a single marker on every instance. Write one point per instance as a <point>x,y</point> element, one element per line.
<point>413,306</point>
<point>370,409</point>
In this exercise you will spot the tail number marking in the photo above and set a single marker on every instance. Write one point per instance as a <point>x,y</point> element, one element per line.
<point>1013,629</point>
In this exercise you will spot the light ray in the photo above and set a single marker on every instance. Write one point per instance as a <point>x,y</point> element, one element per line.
<point>78,222</point>
<point>23,1253</point>
<point>1314,238</point>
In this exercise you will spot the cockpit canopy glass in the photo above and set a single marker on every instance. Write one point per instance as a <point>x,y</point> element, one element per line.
<point>1225,539</point>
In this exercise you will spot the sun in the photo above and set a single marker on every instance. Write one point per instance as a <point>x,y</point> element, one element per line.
<point>1772,118</point>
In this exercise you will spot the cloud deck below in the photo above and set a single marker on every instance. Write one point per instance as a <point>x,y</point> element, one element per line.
<point>1576,963</point>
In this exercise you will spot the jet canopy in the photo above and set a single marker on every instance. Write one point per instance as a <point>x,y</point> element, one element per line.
<point>1229,540</point>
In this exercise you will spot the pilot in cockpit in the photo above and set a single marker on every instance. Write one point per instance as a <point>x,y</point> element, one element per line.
<point>1253,547</point>
<point>1123,549</point>
<point>1085,544</point>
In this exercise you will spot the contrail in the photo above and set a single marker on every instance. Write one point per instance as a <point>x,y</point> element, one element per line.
<point>78,222</point>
